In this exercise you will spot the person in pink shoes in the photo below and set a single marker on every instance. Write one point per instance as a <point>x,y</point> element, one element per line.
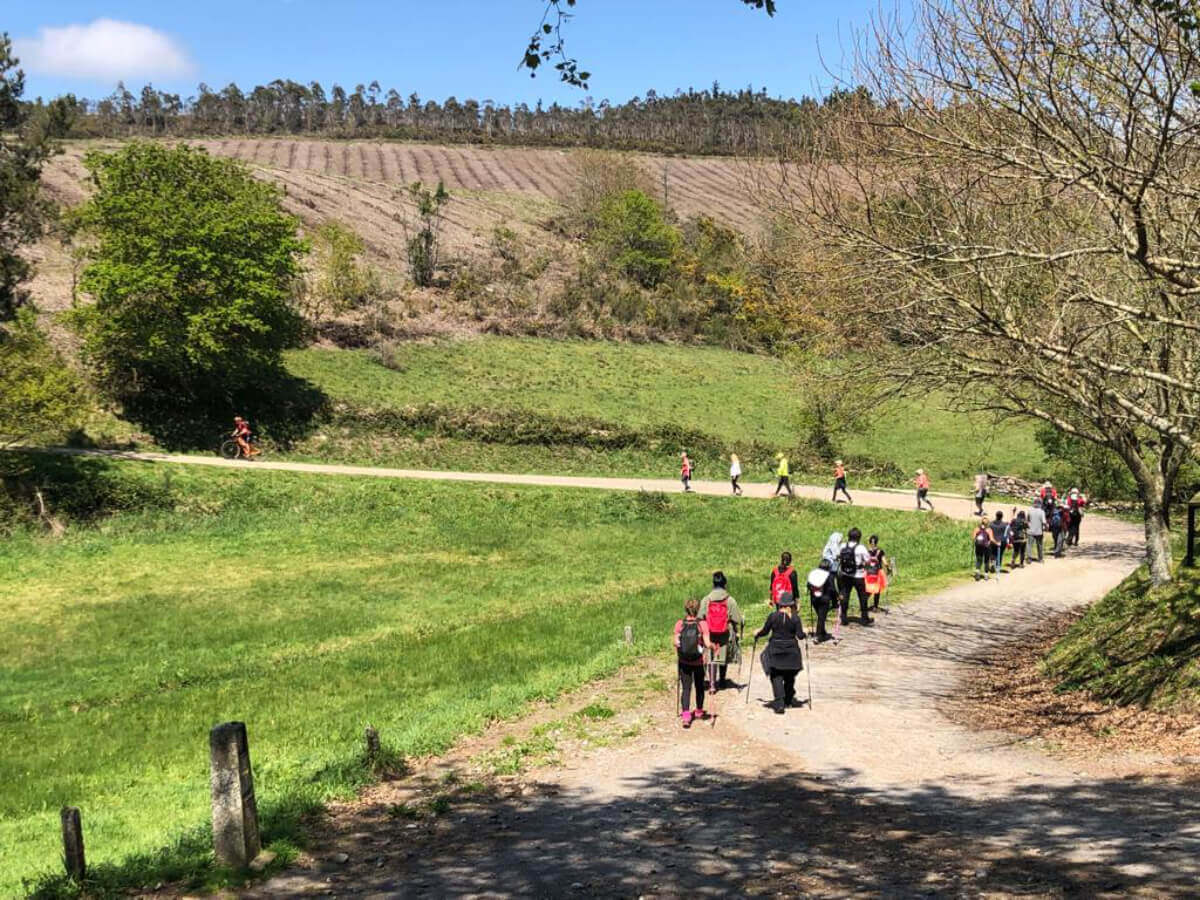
<point>691,639</point>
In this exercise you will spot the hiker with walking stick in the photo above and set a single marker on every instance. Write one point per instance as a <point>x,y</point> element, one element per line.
<point>781,659</point>
<point>725,623</point>
<point>691,640</point>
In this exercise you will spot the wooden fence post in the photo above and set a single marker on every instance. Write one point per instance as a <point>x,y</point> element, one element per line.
<point>629,635</point>
<point>236,841</point>
<point>72,837</point>
<point>371,737</point>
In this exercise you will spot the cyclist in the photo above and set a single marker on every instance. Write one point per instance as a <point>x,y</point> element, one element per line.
<point>243,436</point>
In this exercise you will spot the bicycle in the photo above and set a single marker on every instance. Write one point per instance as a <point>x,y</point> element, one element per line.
<point>231,449</point>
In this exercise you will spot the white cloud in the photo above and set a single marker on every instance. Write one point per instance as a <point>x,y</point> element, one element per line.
<point>105,50</point>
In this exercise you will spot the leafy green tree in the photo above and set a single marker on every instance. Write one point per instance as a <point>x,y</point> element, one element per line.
<point>191,264</point>
<point>636,238</point>
<point>23,149</point>
<point>39,394</point>
<point>423,246</point>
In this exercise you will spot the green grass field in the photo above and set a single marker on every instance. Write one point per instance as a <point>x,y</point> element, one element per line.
<point>308,607</point>
<point>735,397</point>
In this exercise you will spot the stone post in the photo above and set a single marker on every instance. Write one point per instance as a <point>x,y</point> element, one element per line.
<point>629,635</point>
<point>234,812</point>
<point>371,737</point>
<point>72,837</point>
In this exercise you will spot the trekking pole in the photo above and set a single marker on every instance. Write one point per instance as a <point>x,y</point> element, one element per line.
<point>808,669</point>
<point>750,680</point>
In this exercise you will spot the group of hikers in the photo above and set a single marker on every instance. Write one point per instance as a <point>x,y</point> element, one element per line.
<point>1024,533</point>
<point>708,638</point>
<point>784,483</point>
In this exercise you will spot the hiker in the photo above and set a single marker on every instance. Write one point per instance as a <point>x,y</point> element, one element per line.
<point>1049,497</point>
<point>782,472</point>
<point>783,579</point>
<point>999,532</point>
<point>839,482</point>
<point>1058,531</point>
<point>725,624</point>
<point>876,571</point>
<point>823,595</point>
<point>922,483</point>
<point>1037,529</point>
<point>685,471</point>
<point>981,485</point>
<point>1018,528</point>
<point>851,575</point>
<point>735,474</point>
<point>691,639</point>
<point>781,659</point>
<point>981,537</point>
<point>1075,504</point>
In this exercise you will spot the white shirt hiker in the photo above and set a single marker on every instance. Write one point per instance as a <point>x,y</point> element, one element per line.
<point>735,469</point>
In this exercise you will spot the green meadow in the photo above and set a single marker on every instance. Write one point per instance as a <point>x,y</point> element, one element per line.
<point>309,607</point>
<point>733,399</point>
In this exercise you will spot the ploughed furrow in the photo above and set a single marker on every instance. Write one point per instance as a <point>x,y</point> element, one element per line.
<point>476,172</point>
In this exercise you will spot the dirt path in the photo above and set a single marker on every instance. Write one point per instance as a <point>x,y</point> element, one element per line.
<point>872,790</point>
<point>881,498</point>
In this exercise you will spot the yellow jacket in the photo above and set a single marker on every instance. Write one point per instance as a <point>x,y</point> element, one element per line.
<point>783,468</point>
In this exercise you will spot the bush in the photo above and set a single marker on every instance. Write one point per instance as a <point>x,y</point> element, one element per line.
<point>339,281</point>
<point>40,397</point>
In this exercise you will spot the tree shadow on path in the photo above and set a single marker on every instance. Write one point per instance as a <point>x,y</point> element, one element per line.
<point>711,831</point>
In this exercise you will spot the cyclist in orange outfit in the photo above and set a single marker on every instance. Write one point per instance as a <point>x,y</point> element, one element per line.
<point>242,434</point>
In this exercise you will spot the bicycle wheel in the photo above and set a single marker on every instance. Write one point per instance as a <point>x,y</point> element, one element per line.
<point>230,449</point>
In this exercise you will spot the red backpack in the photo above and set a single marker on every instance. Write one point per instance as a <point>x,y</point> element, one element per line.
<point>781,584</point>
<point>718,616</point>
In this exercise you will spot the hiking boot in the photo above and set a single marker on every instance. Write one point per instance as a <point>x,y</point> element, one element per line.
<point>822,638</point>
<point>778,707</point>
<point>845,621</point>
<point>866,620</point>
<point>700,714</point>
<point>794,703</point>
<point>685,718</point>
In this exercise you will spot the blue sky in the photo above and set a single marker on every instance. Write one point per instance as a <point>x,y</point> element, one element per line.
<point>465,48</point>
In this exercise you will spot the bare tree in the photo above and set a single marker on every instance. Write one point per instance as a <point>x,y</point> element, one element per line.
<point>1021,211</point>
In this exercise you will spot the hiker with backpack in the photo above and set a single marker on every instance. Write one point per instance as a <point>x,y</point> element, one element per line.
<point>691,639</point>
<point>922,483</point>
<point>1075,503</point>
<point>839,482</point>
<point>1037,529</point>
<point>685,472</point>
<point>783,580</point>
<point>851,575</point>
<point>876,571</point>
<point>1049,497</point>
<point>999,532</point>
<point>823,595</point>
<point>981,537</point>
<point>735,474</point>
<point>1058,531</point>
<point>981,485</point>
<point>781,658</point>
<point>784,474</point>
<point>725,623</point>
<point>1018,528</point>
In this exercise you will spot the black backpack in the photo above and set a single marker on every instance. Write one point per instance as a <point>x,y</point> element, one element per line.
<point>689,640</point>
<point>847,564</point>
<point>1056,521</point>
<point>982,538</point>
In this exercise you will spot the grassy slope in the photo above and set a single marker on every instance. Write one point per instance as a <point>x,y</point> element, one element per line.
<point>736,396</point>
<point>308,607</point>
<point>1137,645</point>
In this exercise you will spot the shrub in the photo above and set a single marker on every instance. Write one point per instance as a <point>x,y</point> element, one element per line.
<point>636,239</point>
<point>339,281</point>
<point>422,246</point>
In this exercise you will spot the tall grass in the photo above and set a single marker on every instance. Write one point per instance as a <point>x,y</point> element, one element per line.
<point>308,607</point>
